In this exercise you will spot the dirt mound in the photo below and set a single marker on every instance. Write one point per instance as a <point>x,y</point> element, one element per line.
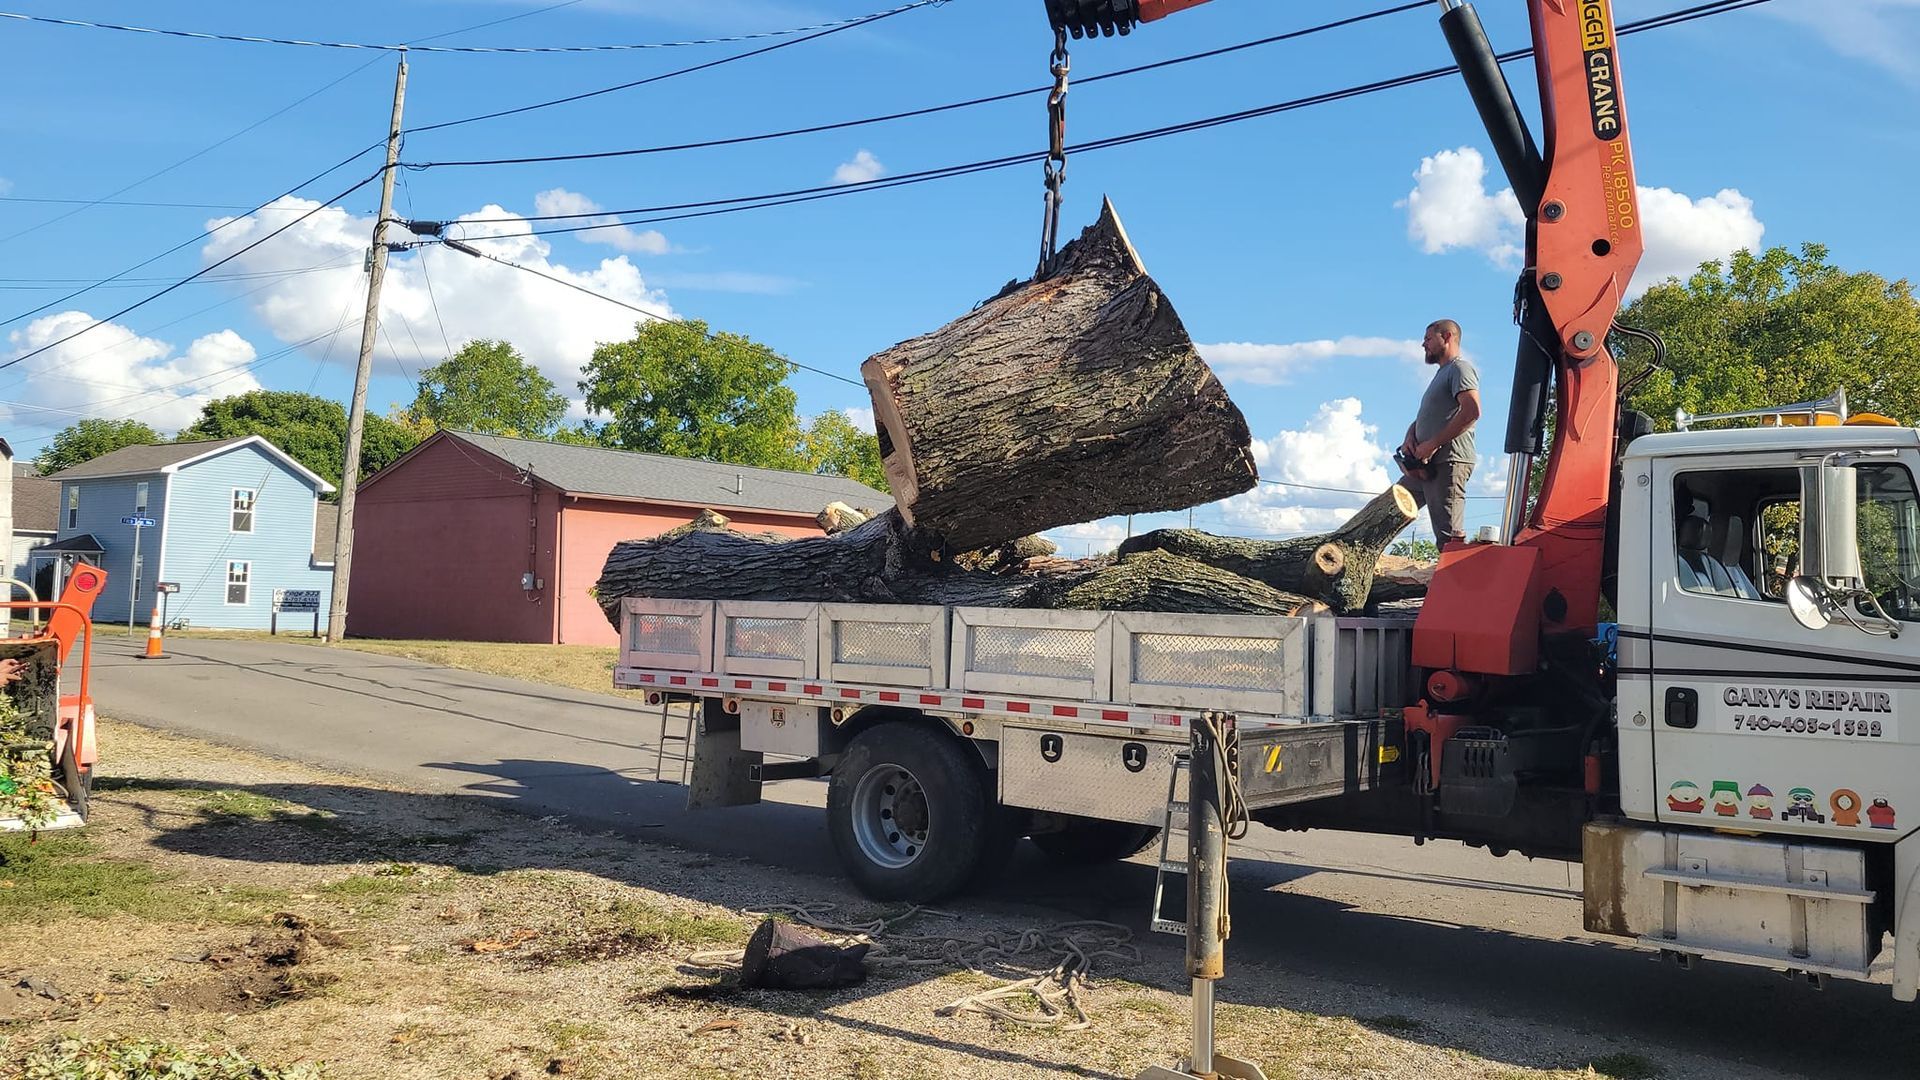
<point>612,945</point>
<point>258,975</point>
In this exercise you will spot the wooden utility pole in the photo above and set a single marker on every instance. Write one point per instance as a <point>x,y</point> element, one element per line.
<point>357,413</point>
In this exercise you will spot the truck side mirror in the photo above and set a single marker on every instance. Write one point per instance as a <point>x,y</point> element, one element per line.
<point>1829,527</point>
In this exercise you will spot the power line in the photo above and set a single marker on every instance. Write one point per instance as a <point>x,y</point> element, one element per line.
<point>610,219</point>
<point>251,39</point>
<point>109,201</point>
<point>763,50</point>
<point>202,152</point>
<point>930,110</point>
<point>212,266</point>
<point>468,249</point>
<point>335,167</point>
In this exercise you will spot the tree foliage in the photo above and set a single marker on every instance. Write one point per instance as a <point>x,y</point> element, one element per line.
<point>490,388</point>
<point>1777,328</point>
<point>88,439</point>
<point>676,389</point>
<point>312,430</point>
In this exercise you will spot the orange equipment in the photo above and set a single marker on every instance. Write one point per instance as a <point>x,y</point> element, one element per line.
<point>48,648</point>
<point>153,638</point>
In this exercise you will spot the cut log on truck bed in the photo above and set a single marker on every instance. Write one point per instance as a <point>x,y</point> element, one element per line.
<point>1162,581</point>
<point>1335,568</point>
<point>1064,399</point>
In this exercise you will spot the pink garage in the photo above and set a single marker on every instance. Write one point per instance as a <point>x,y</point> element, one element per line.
<point>485,538</point>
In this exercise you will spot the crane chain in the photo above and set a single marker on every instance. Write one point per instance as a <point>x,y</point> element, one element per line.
<point>1055,166</point>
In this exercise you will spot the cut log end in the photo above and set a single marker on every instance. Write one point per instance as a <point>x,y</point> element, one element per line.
<point>1403,499</point>
<point>1329,559</point>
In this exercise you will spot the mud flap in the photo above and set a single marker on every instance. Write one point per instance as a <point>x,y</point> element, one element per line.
<point>720,775</point>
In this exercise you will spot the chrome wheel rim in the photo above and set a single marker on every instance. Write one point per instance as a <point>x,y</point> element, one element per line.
<point>890,816</point>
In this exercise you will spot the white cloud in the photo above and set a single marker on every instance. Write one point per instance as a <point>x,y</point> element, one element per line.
<point>112,372</point>
<point>622,237</point>
<point>1682,233</point>
<point>1885,33</point>
<point>1449,208</point>
<point>554,326</point>
<point>862,168</point>
<point>862,417</point>
<point>1273,364</point>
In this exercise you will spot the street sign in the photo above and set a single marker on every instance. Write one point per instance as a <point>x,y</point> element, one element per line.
<point>167,587</point>
<point>296,599</point>
<point>139,522</point>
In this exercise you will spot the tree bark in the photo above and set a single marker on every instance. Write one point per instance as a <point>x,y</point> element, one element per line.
<point>1064,399</point>
<point>1336,568</point>
<point>1162,581</point>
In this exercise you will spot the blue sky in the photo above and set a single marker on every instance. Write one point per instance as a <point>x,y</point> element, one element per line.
<point>1305,251</point>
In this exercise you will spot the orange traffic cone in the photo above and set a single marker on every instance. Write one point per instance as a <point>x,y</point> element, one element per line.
<point>153,638</point>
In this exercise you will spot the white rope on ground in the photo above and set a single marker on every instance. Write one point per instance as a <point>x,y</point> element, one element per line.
<point>1074,947</point>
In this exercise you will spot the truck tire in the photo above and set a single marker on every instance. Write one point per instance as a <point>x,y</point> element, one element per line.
<point>1089,841</point>
<point>912,814</point>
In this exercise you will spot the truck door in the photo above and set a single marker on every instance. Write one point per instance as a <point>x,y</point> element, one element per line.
<point>1759,723</point>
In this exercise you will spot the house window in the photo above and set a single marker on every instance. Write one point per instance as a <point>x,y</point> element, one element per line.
<point>140,497</point>
<point>73,507</point>
<point>238,574</point>
<point>243,510</point>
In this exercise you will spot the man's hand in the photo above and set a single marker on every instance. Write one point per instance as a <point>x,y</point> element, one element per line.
<point>12,671</point>
<point>1425,451</point>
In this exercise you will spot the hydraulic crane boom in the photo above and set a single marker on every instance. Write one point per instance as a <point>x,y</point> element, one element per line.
<point>1582,243</point>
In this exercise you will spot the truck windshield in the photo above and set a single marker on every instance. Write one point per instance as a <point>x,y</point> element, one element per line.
<point>1889,537</point>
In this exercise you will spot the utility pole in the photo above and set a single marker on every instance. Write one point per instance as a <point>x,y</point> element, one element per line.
<point>357,413</point>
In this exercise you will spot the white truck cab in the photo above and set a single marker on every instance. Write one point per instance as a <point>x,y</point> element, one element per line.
<point>1768,699</point>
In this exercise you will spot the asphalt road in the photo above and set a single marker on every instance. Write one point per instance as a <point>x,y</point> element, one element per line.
<point>1499,936</point>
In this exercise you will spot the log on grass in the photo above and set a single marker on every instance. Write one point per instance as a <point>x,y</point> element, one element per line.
<point>1336,568</point>
<point>1162,581</point>
<point>1068,398</point>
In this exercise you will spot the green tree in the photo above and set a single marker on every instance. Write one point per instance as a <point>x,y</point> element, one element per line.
<point>88,439</point>
<point>1422,551</point>
<point>1777,328</point>
<point>312,430</point>
<point>831,444</point>
<point>675,389</point>
<point>489,387</point>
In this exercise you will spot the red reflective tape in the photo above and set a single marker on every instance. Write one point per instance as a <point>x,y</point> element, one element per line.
<point>777,686</point>
<point>1019,706</point>
<point>810,690</point>
<point>646,678</point>
<point>929,699</point>
<point>1113,714</point>
<point>1065,710</point>
<point>677,680</point>
<point>743,684</point>
<point>973,703</point>
<point>849,693</point>
<point>889,695</point>
<point>710,682</point>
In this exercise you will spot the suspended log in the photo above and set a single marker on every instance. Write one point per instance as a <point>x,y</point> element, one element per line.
<point>1162,581</point>
<point>1336,568</point>
<point>838,517</point>
<point>1068,398</point>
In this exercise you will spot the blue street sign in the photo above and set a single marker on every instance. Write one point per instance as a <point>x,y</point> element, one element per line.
<point>138,522</point>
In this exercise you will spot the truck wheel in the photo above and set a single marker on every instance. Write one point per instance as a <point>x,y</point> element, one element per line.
<point>911,813</point>
<point>1087,841</point>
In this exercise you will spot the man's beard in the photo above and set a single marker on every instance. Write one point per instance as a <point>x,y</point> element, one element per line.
<point>1435,357</point>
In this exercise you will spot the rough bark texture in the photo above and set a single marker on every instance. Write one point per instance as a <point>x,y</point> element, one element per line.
<point>1065,399</point>
<point>880,562</point>
<point>1161,581</point>
<point>1336,568</point>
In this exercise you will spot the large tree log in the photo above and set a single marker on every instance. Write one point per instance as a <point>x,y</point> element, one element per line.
<point>879,562</point>
<point>1069,398</point>
<point>1336,568</point>
<point>1161,581</point>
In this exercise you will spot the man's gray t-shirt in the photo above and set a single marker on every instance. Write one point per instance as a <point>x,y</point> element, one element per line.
<point>1438,405</point>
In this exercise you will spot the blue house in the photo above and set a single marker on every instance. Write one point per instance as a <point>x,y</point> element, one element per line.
<point>233,521</point>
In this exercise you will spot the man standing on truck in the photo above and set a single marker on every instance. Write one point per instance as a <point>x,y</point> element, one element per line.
<point>1437,454</point>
